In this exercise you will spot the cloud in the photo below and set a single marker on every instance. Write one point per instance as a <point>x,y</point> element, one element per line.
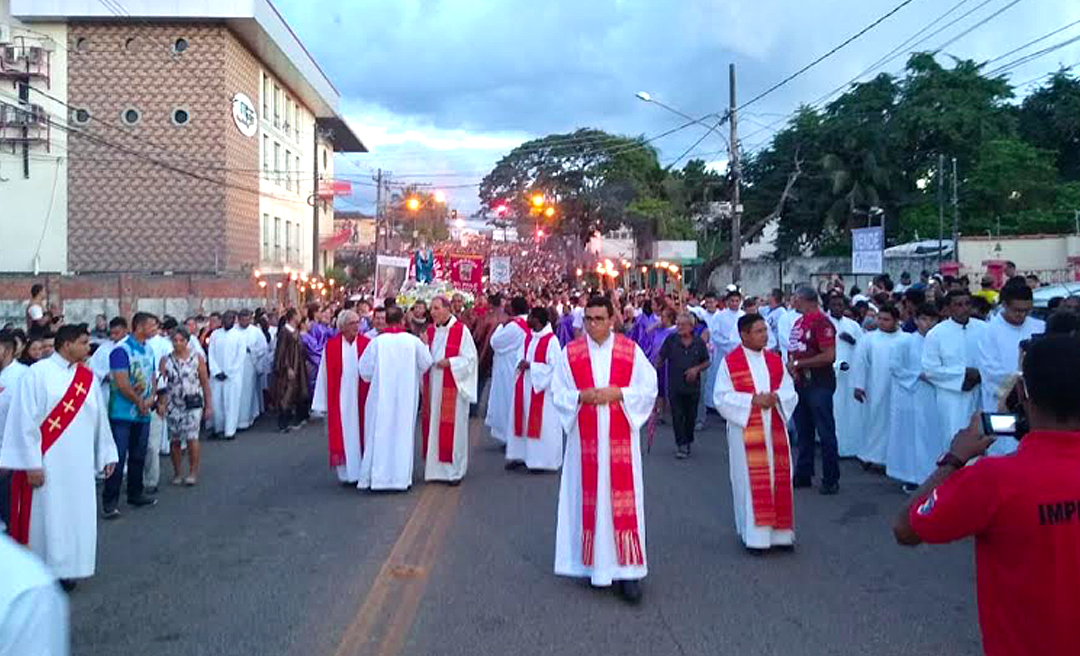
<point>449,86</point>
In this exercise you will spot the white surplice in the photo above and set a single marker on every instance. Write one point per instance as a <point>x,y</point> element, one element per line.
<point>872,373</point>
<point>9,378</point>
<point>506,341</point>
<point>735,408</point>
<point>847,412</point>
<point>349,402</point>
<point>255,348</point>
<point>393,363</point>
<point>723,328</point>
<point>999,360</point>
<point>33,609</point>
<point>949,350</point>
<point>545,453</point>
<point>638,401</point>
<point>914,441</point>
<point>227,353</point>
<point>63,517</point>
<point>464,367</point>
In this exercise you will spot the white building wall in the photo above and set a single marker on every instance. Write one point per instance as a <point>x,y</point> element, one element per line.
<point>326,210</point>
<point>286,143</point>
<point>33,211</point>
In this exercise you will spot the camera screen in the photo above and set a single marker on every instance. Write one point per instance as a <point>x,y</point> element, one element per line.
<point>1002,424</point>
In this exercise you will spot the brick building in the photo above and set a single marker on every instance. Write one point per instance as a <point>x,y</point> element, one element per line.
<point>178,144</point>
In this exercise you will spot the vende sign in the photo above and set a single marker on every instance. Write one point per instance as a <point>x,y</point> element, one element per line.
<point>331,188</point>
<point>868,250</point>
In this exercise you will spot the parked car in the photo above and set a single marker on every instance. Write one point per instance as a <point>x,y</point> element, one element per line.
<point>1043,295</point>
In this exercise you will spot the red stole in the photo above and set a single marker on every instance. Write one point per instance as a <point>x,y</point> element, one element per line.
<point>56,422</point>
<point>448,407</point>
<point>335,432</point>
<point>536,399</point>
<point>623,508</point>
<point>772,500</point>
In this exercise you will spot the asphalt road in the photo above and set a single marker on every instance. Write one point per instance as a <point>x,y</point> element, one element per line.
<point>269,555</point>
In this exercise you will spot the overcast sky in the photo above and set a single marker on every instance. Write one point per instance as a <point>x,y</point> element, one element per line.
<point>439,90</point>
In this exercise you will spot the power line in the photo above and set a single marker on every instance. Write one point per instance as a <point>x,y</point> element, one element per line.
<point>826,55</point>
<point>1033,42</point>
<point>975,26</point>
<point>1020,61</point>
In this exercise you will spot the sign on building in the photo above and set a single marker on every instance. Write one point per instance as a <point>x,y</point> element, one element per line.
<point>243,112</point>
<point>868,250</point>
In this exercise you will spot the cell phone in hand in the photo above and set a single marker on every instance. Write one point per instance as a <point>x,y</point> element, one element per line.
<point>998,423</point>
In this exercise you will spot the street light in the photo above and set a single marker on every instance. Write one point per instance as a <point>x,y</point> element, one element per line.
<point>549,212</point>
<point>440,196</point>
<point>538,200</point>
<point>645,96</point>
<point>412,204</point>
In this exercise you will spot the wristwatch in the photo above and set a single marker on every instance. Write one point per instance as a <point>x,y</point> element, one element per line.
<point>949,459</point>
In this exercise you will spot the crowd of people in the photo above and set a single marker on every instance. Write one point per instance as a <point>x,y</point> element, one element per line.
<point>565,377</point>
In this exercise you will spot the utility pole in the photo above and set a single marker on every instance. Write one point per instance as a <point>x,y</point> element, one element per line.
<point>940,206</point>
<point>378,210</point>
<point>955,215</point>
<point>736,206</point>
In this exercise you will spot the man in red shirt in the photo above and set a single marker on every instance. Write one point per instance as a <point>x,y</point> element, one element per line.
<point>811,352</point>
<point>1023,510</point>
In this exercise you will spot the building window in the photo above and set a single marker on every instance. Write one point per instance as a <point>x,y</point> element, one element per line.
<point>288,170</point>
<point>266,157</point>
<point>277,239</point>
<point>277,106</point>
<point>296,170</point>
<point>131,116</point>
<point>324,159</point>
<point>82,44</point>
<point>277,162</point>
<point>180,116</point>
<point>129,43</point>
<point>179,46</point>
<point>80,116</point>
<point>266,97</point>
<point>286,116</point>
<point>265,252</point>
<point>288,241</point>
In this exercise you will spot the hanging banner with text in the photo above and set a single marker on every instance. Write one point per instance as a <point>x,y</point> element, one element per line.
<point>499,270</point>
<point>467,272</point>
<point>868,250</point>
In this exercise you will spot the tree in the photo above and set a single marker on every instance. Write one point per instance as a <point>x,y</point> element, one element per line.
<point>1010,179</point>
<point>427,220</point>
<point>589,175</point>
<point>1050,119</point>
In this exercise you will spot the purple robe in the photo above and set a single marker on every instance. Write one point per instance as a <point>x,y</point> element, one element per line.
<point>315,340</point>
<point>640,331</point>
<point>655,339</point>
<point>564,329</point>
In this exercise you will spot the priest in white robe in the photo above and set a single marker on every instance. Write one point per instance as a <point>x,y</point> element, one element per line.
<point>33,610</point>
<point>393,363</point>
<point>872,381</point>
<point>341,395</point>
<point>56,438</point>
<point>914,444</point>
<point>255,349</point>
<point>999,352</point>
<point>605,390</point>
<point>755,394</point>
<point>505,342</point>
<point>227,353</point>
<point>537,441</point>
<point>847,412</point>
<point>723,338</point>
<point>950,363</point>
<point>454,370</point>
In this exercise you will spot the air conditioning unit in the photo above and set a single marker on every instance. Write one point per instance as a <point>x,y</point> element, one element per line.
<point>38,115</point>
<point>5,33</point>
<point>10,54</point>
<point>36,54</point>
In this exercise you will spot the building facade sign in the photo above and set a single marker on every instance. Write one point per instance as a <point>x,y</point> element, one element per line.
<point>243,112</point>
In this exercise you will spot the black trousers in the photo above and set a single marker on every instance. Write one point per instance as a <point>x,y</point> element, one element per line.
<point>683,415</point>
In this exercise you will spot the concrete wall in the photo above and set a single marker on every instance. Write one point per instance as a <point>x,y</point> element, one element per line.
<point>1051,257</point>
<point>82,297</point>
<point>34,210</point>
<point>761,276</point>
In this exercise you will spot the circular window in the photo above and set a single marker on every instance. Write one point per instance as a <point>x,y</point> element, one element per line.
<point>180,116</point>
<point>180,45</point>
<point>131,116</point>
<point>129,43</point>
<point>81,116</point>
<point>81,44</point>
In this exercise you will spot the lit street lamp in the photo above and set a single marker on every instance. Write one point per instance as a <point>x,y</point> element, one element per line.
<point>645,96</point>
